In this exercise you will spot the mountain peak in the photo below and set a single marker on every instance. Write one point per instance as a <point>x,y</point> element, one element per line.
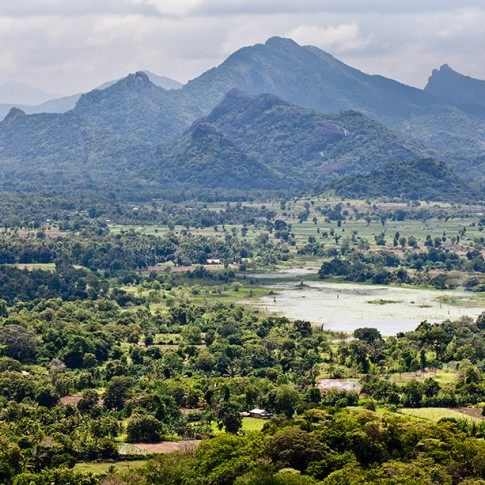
<point>465,92</point>
<point>14,113</point>
<point>20,93</point>
<point>139,79</point>
<point>281,42</point>
<point>163,81</point>
<point>444,70</point>
<point>135,81</point>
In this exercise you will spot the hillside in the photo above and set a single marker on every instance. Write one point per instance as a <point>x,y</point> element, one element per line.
<point>301,75</point>
<point>311,78</point>
<point>416,179</point>
<point>65,151</point>
<point>303,146</point>
<point>246,143</point>
<point>312,121</point>
<point>207,158</point>
<point>134,106</point>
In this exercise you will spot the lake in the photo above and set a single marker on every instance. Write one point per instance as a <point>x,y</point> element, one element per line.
<point>347,306</point>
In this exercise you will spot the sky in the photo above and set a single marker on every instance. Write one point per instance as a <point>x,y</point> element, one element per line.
<point>70,46</point>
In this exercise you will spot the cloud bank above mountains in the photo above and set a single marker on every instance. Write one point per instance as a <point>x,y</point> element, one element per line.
<point>69,46</point>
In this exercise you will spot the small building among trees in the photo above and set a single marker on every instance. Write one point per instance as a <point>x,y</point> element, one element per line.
<point>260,414</point>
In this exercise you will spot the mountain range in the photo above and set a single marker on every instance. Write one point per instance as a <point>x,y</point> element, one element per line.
<point>274,115</point>
<point>33,101</point>
<point>17,92</point>
<point>309,77</point>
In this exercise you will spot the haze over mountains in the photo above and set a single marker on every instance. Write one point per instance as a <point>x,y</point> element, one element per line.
<point>21,93</point>
<point>286,138</point>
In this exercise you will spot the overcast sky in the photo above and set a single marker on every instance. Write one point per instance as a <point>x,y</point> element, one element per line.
<point>68,46</point>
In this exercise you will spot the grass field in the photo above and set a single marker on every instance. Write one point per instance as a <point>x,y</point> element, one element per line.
<point>248,424</point>
<point>253,424</point>
<point>317,224</point>
<point>443,376</point>
<point>32,266</point>
<point>435,414</point>
<point>101,468</point>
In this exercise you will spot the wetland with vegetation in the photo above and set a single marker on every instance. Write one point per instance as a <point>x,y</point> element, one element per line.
<point>344,307</point>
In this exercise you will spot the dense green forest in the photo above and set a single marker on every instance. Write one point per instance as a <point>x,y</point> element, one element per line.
<point>418,179</point>
<point>136,362</point>
<point>122,332</point>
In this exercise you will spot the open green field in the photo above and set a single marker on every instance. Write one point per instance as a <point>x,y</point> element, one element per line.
<point>108,467</point>
<point>253,424</point>
<point>248,425</point>
<point>435,414</point>
<point>232,294</point>
<point>33,266</point>
<point>443,376</point>
<point>360,217</point>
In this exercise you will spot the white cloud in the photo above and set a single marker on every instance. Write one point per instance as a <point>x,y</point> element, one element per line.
<point>341,38</point>
<point>75,8</point>
<point>178,8</point>
<point>254,30</point>
<point>273,7</point>
<point>72,45</point>
<point>184,8</point>
<point>449,31</point>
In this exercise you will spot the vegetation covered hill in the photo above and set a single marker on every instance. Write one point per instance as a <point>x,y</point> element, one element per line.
<point>67,152</point>
<point>246,143</point>
<point>136,107</point>
<point>207,158</point>
<point>66,103</point>
<point>303,145</point>
<point>415,179</point>
<point>279,145</point>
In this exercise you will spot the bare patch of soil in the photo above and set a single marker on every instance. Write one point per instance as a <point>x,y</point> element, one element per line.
<point>74,399</point>
<point>339,384</point>
<point>190,410</point>
<point>473,412</point>
<point>155,448</point>
<point>71,399</point>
